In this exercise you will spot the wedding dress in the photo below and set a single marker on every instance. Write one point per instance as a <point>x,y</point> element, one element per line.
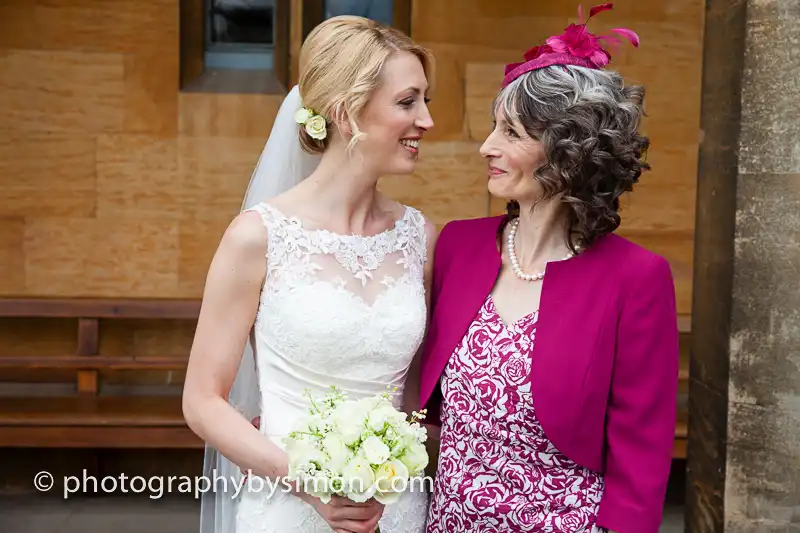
<point>342,310</point>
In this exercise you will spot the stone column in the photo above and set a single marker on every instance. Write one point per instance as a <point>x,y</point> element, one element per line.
<point>744,421</point>
<point>763,461</point>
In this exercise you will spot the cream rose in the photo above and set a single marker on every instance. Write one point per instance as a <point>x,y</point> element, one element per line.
<point>415,457</point>
<point>383,415</point>
<point>359,479</point>
<point>337,452</point>
<point>316,128</point>
<point>374,450</point>
<point>349,420</point>
<point>302,452</point>
<point>302,115</point>
<point>391,480</point>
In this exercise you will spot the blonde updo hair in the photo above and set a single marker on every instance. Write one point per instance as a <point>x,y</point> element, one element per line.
<point>340,65</point>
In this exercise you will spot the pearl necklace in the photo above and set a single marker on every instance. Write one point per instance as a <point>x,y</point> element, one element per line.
<point>512,233</point>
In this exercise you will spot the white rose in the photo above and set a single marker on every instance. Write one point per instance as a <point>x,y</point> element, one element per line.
<point>304,452</point>
<point>367,405</point>
<point>359,479</point>
<point>415,458</point>
<point>374,450</point>
<point>348,421</point>
<point>386,415</point>
<point>391,479</point>
<point>316,127</point>
<point>337,452</point>
<point>377,419</point>
<point>302,115</point>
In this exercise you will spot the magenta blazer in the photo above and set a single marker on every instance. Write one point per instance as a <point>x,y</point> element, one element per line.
<point>604,375</point>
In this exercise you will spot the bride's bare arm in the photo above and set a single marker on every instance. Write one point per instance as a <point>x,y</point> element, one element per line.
<point>230,301</point>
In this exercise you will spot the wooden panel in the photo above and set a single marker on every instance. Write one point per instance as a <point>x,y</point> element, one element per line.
<point>17,21</point>
<point>12,262</point>
<point>481,87</point>
<point>23,336</point>
<point>111,411</point>
<point>664,198</point>
<point>447,105</point>
<point>76,362</point>
<point>151,97</point>
<point>47,175</point>
<point>95,422</point>
<point>75,257</point>
<point>446,185</point>
<point>228,115</point>
<point>148,341</point>
<point>137,177</point>
<point>514,24</point>
<point>88,336</point>
<point>61,91</point>
<point>135,308</point>
<point>147,338</point>
<point>112,26</point>
<point>199,238</point>
<point>215,172</point>
<point>99,437</point>
<point>87,382</point>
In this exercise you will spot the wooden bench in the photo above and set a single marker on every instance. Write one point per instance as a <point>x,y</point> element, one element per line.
<point>86,419</point>
<point>681,426</point>
<point>89,420</point>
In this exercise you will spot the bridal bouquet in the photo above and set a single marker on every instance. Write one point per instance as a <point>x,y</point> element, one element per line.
<point>358,449</point>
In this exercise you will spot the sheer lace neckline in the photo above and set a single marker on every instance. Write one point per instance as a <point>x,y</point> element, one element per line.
<point>298,224</point>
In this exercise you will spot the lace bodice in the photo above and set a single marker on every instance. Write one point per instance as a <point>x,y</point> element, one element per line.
<point>342,310</point>
<point>344,305</point>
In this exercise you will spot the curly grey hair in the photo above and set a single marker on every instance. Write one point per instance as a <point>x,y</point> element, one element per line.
<point>587,121</point>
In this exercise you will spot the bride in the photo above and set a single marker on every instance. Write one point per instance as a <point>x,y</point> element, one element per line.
<point>319,281</point>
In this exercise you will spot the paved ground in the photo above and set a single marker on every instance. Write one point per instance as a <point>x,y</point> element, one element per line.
<point>36,514</point>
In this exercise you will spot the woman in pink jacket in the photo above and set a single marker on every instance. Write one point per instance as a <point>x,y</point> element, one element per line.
<point>551,362</point>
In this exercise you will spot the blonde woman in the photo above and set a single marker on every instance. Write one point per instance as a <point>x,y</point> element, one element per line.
<point>321,280</point>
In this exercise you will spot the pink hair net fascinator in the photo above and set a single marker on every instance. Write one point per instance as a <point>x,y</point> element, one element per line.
<point>575,46</point>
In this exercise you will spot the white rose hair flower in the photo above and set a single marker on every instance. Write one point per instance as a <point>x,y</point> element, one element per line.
<point>315,124</point>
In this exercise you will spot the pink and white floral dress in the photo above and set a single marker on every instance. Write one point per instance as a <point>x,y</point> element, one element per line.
<point>497,470</point>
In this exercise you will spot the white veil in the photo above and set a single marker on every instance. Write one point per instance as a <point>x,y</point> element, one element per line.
<point>282,165</point>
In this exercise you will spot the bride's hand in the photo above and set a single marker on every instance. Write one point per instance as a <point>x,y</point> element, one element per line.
<point>346,516</point>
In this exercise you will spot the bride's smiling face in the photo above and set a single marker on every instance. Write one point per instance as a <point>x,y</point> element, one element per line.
<point>396,117</point>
